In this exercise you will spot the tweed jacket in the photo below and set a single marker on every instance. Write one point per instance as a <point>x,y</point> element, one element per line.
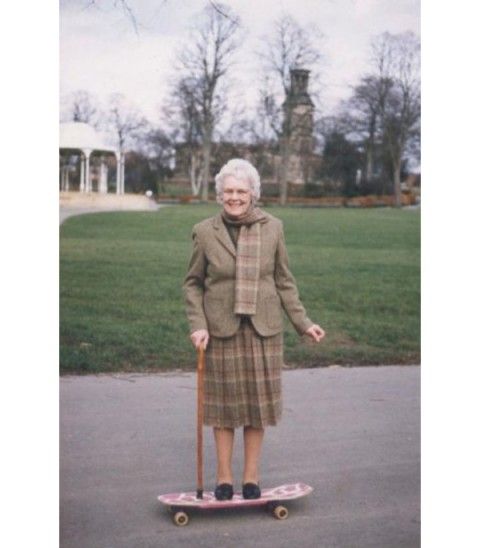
<point>209,286</point>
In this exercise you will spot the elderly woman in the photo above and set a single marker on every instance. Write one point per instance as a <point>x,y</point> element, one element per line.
<point>237,283</point>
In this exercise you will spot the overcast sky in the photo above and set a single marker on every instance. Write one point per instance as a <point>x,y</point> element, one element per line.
<point>101,52</point>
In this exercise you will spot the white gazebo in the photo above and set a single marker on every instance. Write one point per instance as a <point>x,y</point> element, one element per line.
<point>86,139</point>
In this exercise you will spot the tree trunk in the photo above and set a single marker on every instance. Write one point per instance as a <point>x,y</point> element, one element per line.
<point>207,145</point>
<point>369,164</point>
<point>370,148</point>
<point>193,175</point>
<point>396,184</point>
<point>283,179</point>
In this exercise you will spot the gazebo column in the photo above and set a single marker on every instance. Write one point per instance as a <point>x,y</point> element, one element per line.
<point>82,173</point>
<point>64,178</point>
<point>103,183</point>
<point>120,172</point>
<point>88,182</point>
<point>79,141</point>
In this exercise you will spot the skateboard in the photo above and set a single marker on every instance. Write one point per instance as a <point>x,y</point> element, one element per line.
<point>180,503</point>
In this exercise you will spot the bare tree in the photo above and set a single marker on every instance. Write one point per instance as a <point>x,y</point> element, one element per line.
<point>157,146</point>
<point>289,46</point>
<point>397,61</point>
<point>127,124</point>
<point>203,64</point>
<point>362,116</point>
<point>127,8</point>
<point>81,106</point>
<point>384,109</point>
<point>124,120</point>
<point>181,117</point>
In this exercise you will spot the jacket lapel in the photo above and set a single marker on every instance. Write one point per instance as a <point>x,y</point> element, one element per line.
<point>222,235</point>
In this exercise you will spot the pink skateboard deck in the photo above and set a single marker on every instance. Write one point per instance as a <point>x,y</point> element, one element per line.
<point>179,503</point>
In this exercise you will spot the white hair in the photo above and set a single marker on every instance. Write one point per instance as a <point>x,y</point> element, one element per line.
<point>242,170</point>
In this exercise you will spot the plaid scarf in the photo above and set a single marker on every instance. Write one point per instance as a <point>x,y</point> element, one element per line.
<point>247,271</point>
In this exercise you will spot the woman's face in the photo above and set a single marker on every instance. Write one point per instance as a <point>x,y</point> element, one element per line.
<point>237,196</point>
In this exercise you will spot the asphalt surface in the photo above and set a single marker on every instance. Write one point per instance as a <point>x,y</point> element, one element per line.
<point>70,211</point>
<point>351,433</point>
<point>66,212</point>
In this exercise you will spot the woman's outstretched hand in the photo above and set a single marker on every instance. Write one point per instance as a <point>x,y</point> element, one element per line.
<point>315,332</point>
<point>200,338</point>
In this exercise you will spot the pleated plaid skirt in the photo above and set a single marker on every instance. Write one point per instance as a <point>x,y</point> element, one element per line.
<point>243,379</point>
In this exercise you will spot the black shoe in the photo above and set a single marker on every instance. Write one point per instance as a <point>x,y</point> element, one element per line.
<point>224,491</point>
<point>251,491</point>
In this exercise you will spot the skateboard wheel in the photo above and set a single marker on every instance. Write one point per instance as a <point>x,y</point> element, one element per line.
<point>280,512</point>
<point>180,519</point>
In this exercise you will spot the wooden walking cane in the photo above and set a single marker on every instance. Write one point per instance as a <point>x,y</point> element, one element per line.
<point>200,376</point>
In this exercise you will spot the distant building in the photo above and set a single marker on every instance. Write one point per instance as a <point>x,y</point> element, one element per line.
<point>298,125</point>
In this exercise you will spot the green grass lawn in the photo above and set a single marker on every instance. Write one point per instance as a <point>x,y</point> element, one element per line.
<point>121,305</point>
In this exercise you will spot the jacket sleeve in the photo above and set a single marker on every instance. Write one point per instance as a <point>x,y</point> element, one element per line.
<point>287,289</point>
<point>193,286</point>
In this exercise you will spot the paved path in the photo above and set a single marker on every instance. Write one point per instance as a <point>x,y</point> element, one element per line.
<point>66,212</point>
<point>354,434</point>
